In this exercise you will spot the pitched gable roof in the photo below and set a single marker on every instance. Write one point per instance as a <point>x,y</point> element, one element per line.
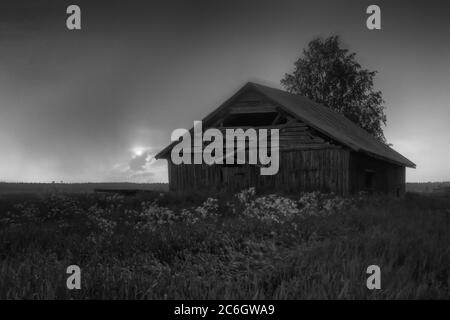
<point>323,119</point>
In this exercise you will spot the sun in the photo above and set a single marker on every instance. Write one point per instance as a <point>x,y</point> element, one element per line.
<point>138,151</point>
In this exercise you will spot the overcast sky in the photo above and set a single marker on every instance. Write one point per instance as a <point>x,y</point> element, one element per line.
<point>96,104</point>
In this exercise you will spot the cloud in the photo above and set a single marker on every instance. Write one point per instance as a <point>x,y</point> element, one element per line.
<point>141,168</point>
<point>138,162</point>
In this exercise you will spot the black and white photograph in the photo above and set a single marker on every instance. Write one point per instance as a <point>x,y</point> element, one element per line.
<point>224,155</point>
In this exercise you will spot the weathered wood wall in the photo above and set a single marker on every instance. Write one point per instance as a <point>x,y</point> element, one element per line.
<point>296,135</point>
<point>387,177</point>
<point>300,170</point>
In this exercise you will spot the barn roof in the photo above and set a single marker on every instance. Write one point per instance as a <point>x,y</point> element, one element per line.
<point>323,119</point>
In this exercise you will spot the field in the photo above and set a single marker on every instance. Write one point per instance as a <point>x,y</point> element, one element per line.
<point>45,188</point>
<point>157,245</point>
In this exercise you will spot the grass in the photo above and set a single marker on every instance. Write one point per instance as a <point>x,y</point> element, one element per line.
<point>228,255</point>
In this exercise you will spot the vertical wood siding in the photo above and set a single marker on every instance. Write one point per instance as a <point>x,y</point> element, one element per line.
<point>388,178</point>
<point>300,170</point>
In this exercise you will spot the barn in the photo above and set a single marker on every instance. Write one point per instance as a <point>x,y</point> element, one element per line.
<point>319,150</point>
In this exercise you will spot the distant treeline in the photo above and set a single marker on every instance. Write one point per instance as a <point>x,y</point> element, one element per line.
<point>435,187</point>
<point>7,187</point>
<point>26,187</point>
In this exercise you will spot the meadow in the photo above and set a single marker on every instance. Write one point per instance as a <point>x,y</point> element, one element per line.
<point>159,245</point>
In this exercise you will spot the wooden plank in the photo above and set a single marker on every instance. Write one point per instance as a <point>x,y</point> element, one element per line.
<point>253,109</point>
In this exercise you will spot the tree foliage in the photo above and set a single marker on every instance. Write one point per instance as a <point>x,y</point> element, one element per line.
<point>330,75</point>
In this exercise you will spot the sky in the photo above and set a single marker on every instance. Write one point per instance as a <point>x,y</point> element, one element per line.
<point>96,104</point>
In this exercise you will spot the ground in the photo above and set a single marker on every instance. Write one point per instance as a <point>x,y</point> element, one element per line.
<point>157,245</point>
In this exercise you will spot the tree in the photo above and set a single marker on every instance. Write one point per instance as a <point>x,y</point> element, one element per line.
<point>330,75</point>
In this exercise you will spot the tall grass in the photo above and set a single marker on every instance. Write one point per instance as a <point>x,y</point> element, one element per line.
<point>147,247</point>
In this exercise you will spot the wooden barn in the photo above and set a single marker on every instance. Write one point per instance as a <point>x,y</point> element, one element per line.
<point>319,149</point>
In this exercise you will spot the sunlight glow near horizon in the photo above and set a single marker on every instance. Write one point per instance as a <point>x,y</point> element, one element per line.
<point>138,150</point>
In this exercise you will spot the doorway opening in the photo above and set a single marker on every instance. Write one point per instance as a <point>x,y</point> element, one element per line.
<point>369,180</point>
